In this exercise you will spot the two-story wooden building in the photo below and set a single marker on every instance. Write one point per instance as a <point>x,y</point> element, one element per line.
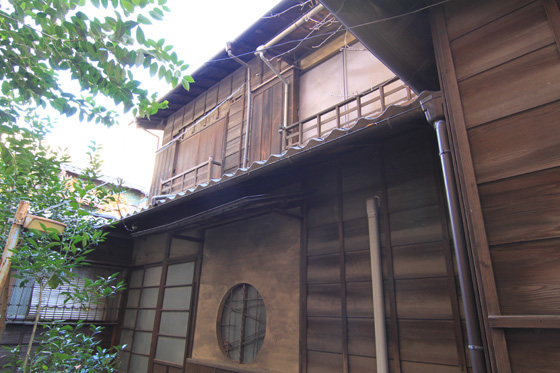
<point>301,219</point>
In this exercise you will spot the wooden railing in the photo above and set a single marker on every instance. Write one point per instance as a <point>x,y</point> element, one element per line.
<point>344,114</point>
<point>366,104</point>
<point>190,178</point>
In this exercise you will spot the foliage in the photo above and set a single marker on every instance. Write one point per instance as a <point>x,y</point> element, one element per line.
<point>71,348</point>
<point>41,38</point>
<point>50,260</point>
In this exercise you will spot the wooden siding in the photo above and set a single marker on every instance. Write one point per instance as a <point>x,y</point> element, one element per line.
<point>500,68</point>
<point>421,303</point>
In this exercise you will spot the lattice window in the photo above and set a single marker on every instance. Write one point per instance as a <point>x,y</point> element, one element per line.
<point>242,323</point>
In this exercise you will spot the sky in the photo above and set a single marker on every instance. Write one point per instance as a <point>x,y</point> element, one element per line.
<point>198,30</point>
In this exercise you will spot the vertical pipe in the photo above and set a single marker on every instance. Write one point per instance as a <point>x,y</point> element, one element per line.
<point>459,241</point>
<point>372,206</point>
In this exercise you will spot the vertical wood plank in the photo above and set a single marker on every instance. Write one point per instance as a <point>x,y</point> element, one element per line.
<point>303,293</point>
<point>553,15</point>
<point>387,248</point>
<point>342,268</point>
<point>470,201</point>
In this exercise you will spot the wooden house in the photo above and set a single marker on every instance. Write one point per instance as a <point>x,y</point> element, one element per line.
<point>300,179</point>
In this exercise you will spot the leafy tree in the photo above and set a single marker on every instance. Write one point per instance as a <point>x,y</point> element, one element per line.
<point>44,43</point>
<point>50,260</point>
<point>39,39</point>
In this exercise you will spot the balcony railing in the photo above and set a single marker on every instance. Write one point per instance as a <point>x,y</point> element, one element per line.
<point>344,114</point>
<point>366,104</point>
<point>192,177</point>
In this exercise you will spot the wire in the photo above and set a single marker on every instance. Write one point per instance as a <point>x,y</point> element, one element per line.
<point>302,5</point>
<point>316,27</point>
<point>331,33</point>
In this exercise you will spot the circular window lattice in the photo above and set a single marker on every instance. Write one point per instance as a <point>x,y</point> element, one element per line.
<point>242,323</point>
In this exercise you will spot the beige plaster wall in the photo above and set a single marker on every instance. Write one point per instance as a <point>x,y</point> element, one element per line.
<point>263,252</point>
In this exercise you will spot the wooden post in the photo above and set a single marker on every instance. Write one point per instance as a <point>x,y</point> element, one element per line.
<point>11,243</point>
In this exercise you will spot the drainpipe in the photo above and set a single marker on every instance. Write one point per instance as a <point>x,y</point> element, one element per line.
<point>248,119</point>
<point>433,108</point>
<point>260,53</point>
<point>372,207</point>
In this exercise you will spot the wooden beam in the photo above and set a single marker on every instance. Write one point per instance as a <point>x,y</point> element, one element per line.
<point>328,50</point>
<point>525,321</point>
<point>553,14</point>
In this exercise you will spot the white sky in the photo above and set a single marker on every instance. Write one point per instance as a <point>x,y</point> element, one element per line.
<point>198,30</point>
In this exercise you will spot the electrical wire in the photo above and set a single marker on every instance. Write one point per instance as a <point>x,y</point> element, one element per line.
<point>301,6</point>
<point>331,33</point>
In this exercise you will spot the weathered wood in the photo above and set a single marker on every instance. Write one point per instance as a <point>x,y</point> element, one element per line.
<point>428,341</point>
<point>324,269</point>
<point>324,334</point>
<point>387,252</point>
<point>467,15</point>
<point>322,362</point>
<point>518,144</point>
<point>415,226</point>
<point>520,32</point>
<point>525,321</point>
<point>419,261</point>
<point>323,300</point>
<point>523,208</point>
<point>494,94</point>
<point>553,13</point>
<point>534,350</point>
<point>527,277</point>
<point>423,299</point>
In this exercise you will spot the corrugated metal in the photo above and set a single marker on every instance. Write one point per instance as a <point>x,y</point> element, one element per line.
<point>393,116</point>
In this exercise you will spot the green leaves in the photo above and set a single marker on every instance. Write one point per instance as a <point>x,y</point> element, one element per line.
<point>37,41</point>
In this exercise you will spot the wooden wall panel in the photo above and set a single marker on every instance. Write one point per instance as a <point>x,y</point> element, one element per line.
<point>324,300</point>
<point>504,59</point>
<point>423,303</point>
<point>322,362</point>
<point>523,208</point>
<point>322,240</point>
<point>527,277</point>
<point>534,350</point>
<point>467,15</point>
<point>528,27</point>
<point>323,269</point>
<point>410,176</point>
<point>430,341</point>
<point>415,226</point>
<point>413,367</point>
<point>356,235</point>
<point>494,94</point>
<point>423,299</point>
<point>324,334</point>
<point>516,145</point>
<point>419,261</point>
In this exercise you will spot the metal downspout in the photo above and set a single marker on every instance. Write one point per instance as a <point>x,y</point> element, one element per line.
<point>381,357</point>
<point>248,119</point>
<point>432,106</point>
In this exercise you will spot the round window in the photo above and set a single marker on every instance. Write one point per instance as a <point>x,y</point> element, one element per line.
<point>242,323</point>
